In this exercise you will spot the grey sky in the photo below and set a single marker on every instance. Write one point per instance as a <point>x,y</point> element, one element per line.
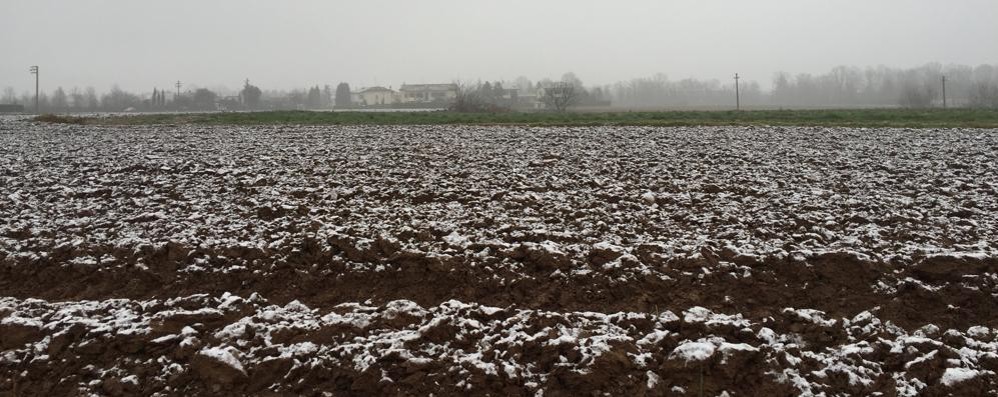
<point>287,44</point>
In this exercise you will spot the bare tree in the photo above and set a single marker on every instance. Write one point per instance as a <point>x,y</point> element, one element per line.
<point>469,99</point>
<point>559,96</point>
<point>984,95</point>
<point>90,94</point>
<point>118,100</point>
<point>60,102</point>
<point>9,96</point>
<point>915,96</point>
<point>77,100</point>
<point>523,84</point>
<point>250,95</point>
<point>204,99</point>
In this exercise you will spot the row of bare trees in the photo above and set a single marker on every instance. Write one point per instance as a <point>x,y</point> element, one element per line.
<point>842,86</point>
<point>250,97</point>
<point>919,87</point>
<point>86,100</point>
<point>522,94</point>
<point>658,91</point>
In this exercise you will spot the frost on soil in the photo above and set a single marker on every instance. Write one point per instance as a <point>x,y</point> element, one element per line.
<point>470,260</point>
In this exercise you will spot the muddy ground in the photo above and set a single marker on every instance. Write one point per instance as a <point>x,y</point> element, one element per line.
<point>291,260</point>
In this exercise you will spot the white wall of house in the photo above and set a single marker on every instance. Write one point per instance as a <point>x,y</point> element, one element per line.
<point>375,97</point>
<point>427,95</point>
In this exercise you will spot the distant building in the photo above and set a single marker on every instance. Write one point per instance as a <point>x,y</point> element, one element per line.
<point>408,96</point>
<point>528,102</point>
<point>428,93</point>
<point>374,96</point>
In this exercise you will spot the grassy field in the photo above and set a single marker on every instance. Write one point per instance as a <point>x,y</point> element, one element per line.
<point>908,118</point>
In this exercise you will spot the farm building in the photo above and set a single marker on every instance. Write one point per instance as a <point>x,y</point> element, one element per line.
<point>373,96</point>
<point>428,93</point>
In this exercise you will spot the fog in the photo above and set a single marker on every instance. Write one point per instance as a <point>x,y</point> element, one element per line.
<point>138,45</point>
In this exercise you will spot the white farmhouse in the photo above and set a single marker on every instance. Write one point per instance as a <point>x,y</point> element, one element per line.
<point>374,96</point>
<point>428,93</point>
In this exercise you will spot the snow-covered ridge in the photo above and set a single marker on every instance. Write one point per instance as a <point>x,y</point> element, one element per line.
<point>252,345</point>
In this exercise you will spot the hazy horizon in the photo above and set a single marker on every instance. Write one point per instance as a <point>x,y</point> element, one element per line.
<point>139,45</point>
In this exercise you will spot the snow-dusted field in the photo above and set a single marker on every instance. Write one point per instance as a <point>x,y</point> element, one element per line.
<point>497,260</point>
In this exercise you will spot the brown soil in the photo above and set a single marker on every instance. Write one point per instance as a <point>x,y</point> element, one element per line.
<point>496,261</point>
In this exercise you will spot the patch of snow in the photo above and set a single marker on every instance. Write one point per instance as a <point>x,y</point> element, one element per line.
<point>223,356</point>
<point>953,376</point>
<point>690,351</point>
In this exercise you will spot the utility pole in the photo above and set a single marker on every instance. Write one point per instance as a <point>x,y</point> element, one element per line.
<point>944,91</point>
<point>178,88</point>
<point>34,71</point>
<point>738,100</point>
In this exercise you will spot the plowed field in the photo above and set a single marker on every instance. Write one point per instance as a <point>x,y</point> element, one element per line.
<point>295,260</point>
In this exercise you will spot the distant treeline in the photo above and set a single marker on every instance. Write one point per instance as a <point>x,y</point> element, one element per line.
<point>200,99</point>
<point>841,87</point>
<point>882,86</point>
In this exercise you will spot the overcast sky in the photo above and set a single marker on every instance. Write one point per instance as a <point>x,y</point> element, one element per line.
<point>141,44</point>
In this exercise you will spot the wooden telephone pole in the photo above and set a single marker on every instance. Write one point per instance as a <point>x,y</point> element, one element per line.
<point>34,71</point>
<point>738,100</point>
<point>944,92</point>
